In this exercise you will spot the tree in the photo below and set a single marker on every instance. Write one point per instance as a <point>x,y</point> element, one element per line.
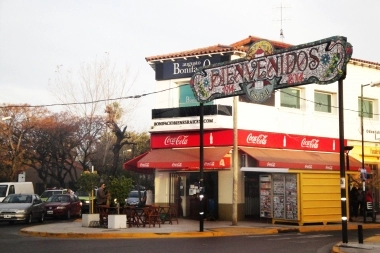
<point>54,145</point>
<point>97,84</point>
<point>14,137</point>
<point>119,188</point>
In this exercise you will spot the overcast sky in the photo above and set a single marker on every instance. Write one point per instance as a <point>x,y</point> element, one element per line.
<point>38,35</point>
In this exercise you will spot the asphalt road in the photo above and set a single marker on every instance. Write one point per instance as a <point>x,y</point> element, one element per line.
<point>321,242</point>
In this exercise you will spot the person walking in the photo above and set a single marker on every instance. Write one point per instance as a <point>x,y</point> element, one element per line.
<point>101,195</point>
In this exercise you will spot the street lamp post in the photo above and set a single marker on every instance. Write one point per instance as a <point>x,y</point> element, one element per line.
<point>374,84</point>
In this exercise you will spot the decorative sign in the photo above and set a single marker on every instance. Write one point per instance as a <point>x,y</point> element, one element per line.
<point>265,70</point>
<point>182,68</point>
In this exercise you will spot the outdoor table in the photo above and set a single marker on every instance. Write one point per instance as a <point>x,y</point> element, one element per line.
<point>168,213</point>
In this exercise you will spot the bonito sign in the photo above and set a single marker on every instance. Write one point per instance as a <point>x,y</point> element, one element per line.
<point>263,70</point>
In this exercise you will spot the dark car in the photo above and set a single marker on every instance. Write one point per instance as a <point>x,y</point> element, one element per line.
<point>63,205</point>
<point>86,199</point>
<point>22,207</point>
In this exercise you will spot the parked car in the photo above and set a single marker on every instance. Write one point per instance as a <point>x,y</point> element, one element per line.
<point>63,205</point>
<point>22,207</point>
<point>50,192</point>
<point>133,198</point>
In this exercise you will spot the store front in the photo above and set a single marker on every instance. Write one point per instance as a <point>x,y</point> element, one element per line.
<point>293,185</point>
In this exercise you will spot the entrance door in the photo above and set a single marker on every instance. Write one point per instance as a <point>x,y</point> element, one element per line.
<point>252,195</point>
<point>174,192</point>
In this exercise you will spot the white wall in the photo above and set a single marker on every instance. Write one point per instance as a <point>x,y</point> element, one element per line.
<point>304,121</point>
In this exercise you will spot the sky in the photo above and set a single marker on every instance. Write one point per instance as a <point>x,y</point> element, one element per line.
<point>36,36</point>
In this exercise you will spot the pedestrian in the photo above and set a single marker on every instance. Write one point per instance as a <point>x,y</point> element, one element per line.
<point>143,200</point>
<point>361,201</point>
<point>101,195</point>
<point>149,197</point>
<point>353,199</point>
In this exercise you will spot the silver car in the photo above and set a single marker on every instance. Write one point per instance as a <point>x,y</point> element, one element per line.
<point>22,207</point>
<point>133,198</point>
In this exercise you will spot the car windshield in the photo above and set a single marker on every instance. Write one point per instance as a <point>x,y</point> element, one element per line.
<point>18,199</point>
<point>3,190</point>
<point>59,198</point>
<point>81,194</point>
<point>47,194</point>
<point>133,194</point>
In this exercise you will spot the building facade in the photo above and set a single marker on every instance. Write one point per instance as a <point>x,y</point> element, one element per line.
<point>288,146</point>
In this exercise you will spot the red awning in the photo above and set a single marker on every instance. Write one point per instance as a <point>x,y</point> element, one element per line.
<point>298,159</point>
<point>131,165</point>
<point>180,158</point>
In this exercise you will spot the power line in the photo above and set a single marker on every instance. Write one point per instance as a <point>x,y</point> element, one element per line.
<point>92,102</point>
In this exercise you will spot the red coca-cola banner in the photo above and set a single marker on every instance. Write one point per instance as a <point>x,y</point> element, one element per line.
<point>246,138</point>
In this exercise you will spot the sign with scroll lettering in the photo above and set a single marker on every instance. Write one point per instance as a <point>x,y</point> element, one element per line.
<point>264,70</point>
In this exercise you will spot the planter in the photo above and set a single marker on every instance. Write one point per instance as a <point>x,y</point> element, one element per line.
<point>88,218</point>
<point>117,221</point>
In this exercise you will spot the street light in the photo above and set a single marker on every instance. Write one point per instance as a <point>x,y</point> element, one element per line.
<point>373,84</point>
<point>6,118</point>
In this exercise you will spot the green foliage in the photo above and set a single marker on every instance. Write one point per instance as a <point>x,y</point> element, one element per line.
<point>119,188</point>
<point>87,181</point>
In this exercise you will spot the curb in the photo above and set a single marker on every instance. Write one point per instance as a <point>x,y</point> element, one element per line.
<point>123,235</point>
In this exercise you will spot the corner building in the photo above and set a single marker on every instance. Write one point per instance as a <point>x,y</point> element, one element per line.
<point>288,146</point>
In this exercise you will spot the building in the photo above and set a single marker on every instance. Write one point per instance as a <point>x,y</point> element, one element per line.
<point>288,146</point>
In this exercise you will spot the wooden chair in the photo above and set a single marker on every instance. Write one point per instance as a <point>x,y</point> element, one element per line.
<point>130,213</point>
<point>152,216</point>
<point>103,215</point>
<point>173,213</point>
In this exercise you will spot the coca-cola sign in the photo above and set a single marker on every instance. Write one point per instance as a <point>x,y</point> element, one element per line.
<point>209,164</point>
<point>180,140</point>
<point>260,139</point>
<point>313,143</point>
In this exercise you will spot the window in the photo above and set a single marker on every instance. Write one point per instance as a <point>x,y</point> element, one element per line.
<point>322,102</point>
<point>290,98</point>
<point>186,97</point>
<point>367,108</point>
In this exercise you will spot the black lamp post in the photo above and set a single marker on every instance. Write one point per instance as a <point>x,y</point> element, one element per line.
<point>347,149</point>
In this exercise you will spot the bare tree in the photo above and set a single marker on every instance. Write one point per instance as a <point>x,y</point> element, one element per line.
<point>90,90</point>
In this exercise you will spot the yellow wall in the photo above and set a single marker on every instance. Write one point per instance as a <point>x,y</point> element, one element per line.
<point>320,197</point>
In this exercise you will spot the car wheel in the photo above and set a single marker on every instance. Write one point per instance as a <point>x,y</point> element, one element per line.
<point>42,218</point>
<point>29,219</point>
<point>68,215</point>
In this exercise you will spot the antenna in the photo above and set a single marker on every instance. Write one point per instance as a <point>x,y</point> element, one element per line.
<point>281,20</point>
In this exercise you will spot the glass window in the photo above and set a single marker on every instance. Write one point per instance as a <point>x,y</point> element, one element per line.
<point>187,98</point>
<point>367,108</point>
<point>322,102</point>
<point>290,98</point>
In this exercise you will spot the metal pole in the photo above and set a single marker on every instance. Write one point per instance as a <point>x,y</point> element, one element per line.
<point>361,122</point>
<point>235,166</point>
<point>201,211</point>
<point>342,167</point>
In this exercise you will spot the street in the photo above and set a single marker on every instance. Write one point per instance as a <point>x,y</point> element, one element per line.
<point>321,242</point>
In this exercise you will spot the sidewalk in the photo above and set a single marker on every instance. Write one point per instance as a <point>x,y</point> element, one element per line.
<point>191,228</point>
